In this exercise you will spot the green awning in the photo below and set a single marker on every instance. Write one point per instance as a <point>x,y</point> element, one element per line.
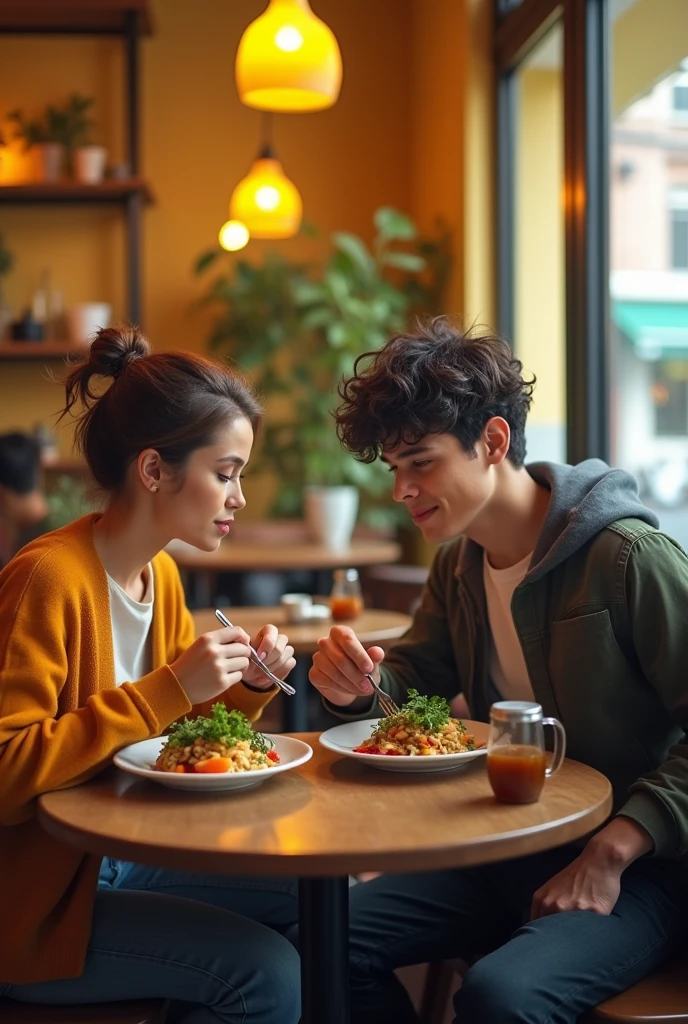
<point>658,330</point>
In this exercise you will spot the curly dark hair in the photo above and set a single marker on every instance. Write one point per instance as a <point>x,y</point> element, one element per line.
<point>438,381</point>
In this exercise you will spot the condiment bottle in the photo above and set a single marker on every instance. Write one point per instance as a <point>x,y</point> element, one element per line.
<point>346,601</point>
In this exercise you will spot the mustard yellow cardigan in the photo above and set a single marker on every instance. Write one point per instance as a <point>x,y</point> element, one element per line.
<point>61,719</point>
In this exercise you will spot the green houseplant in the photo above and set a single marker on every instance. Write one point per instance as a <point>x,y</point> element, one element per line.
<point>62,130</point>
<point>297,329</point>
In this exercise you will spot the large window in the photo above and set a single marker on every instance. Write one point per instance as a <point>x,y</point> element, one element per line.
<point>648,338</point>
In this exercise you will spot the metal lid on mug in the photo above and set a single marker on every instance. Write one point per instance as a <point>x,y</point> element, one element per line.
<point>516,711</point>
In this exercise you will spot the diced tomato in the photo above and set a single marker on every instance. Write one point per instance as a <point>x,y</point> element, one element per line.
<point>367,750</point>
<point>273,756</point>
<point>393,753</point>
<point>213,766</point>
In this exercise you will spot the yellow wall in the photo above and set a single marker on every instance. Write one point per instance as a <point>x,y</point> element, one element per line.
<point>198,140</point>
<point>540,310</point>
<point>452,142</point>
<point>412,129</point>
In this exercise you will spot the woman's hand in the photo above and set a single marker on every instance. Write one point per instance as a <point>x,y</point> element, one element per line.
<point>213,663</point>
<point>340,666</point>
<point>275,652</point>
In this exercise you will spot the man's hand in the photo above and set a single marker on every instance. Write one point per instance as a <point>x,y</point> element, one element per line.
<point>593,880</point>
<point>340,665</point>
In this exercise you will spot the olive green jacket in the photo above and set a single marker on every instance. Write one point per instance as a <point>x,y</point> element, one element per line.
<point>603,624</point>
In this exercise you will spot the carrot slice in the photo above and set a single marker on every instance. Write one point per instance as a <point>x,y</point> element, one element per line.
<point>213,766</point>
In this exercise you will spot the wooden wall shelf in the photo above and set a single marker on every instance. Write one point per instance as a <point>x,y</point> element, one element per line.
<point>22,351</point>
<point>109,191</point>
<point>93,17</point>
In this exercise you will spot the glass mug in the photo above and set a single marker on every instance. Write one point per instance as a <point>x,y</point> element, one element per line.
<point>516,759</point>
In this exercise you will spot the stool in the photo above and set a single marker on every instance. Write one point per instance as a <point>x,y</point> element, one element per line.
<point>660,998</point>
<point>139,1011</point>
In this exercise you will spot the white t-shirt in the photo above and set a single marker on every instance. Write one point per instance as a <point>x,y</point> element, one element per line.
<point>131,622</point>
<point>507,665</point>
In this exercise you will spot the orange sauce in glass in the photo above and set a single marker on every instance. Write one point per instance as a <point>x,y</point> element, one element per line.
<point>345,607</point>
<point>516,773</point>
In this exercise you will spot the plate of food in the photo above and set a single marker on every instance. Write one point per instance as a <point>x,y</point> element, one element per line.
<point>422,737</point>
<point>219,752</point>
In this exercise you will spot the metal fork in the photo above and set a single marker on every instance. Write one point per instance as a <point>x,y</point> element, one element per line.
<point>388,706</point>
<point>255,660</point>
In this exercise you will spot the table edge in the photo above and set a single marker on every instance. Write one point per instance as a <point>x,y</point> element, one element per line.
<point>485,850</point>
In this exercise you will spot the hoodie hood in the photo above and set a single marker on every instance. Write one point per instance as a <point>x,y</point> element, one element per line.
<point>585,499</point>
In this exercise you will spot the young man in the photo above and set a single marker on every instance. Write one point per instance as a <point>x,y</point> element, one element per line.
<point>22,502</point>
<point>554,585</point>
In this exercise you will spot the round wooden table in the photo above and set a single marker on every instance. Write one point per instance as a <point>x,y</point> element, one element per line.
<point>321,822</point>
<point>373,626</point>
<point>268,552</point>
<point>232,556</point>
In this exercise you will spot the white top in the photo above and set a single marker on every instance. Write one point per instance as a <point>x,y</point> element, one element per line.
<point>507,665</point>
<point>131,622</point>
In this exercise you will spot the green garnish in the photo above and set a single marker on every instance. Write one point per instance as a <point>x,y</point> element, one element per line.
<point>228,727</point>
<point>431,713</point>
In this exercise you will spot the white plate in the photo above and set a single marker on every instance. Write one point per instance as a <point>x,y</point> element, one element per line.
<point>138,758</point>
<point>343,738</point>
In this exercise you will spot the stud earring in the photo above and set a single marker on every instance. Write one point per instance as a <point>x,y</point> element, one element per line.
<point>155,488</point>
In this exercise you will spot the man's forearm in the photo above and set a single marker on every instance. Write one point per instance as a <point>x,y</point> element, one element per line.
<point>619,843</point>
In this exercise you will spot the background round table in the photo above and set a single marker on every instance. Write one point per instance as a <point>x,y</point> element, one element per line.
<point>278,552</point>
<point>321,822</point>
<point>373,626</point>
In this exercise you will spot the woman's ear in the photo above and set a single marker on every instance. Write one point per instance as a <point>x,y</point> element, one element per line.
<point>150,470</point>
<point>497,438</point>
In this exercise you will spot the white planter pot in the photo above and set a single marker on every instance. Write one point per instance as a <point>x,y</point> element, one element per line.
<point>88,163</point>
<point>49,157</point>
<point>331,514</point>
<point>85,320</point>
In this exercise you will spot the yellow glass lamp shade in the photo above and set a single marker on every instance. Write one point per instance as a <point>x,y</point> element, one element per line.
<point>233,235</point>
<point>266,201</point>
<point>288,60</point>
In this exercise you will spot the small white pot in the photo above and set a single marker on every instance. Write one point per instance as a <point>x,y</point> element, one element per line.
<point>331,514</point>
<point>49,158</point>
<point>88,163</point>
<point>85,320</point>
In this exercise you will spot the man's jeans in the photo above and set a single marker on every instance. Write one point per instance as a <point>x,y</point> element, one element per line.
<point>221,944</point>
<point>541,972</point>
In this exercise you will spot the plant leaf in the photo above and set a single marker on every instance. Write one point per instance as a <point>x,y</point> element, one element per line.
<point>391,224</point>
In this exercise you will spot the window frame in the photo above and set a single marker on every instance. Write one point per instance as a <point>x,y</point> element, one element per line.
<point>586,190</point>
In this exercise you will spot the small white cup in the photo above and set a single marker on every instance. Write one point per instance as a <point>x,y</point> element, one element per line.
<point>296,606</point>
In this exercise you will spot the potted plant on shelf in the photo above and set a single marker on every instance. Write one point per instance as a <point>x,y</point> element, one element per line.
<point>87,160</point>
<point>298,330</point>
<point>42,136</point>
<point>62,130</point>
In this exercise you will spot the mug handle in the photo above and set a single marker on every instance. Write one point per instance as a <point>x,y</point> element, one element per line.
<point>559,745</point>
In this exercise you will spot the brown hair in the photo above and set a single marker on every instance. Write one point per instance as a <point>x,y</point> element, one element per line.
<point>174,402</point>
<point>438,381</point>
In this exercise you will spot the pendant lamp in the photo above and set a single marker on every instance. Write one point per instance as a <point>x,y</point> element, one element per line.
<point>266,201</point>
<point>288,60</point>
<point>233,235</point>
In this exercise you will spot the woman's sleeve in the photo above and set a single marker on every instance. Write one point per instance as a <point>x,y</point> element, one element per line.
<point>40,749</point>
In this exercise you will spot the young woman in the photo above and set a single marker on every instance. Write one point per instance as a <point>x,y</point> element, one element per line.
<point>97,651</point>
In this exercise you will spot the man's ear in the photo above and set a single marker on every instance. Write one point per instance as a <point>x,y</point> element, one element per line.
<point>496,438</point>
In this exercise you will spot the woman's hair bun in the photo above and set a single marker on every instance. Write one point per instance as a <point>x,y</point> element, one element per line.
<point>114,348</point>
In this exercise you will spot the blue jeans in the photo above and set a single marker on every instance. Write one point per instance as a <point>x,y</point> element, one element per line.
<point>541,972</point>
<point>223,945</point>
